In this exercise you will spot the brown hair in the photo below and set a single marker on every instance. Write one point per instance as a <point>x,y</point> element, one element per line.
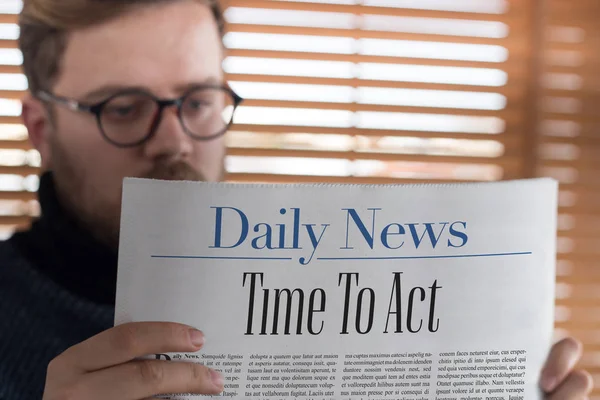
<point>45,25</point>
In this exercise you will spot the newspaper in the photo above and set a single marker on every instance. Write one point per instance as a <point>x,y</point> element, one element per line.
<point>345,291</point>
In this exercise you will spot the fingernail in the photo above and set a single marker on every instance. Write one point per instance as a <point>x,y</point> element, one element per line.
<point>197,337</point>
<point>548,383</point>
<point>217,378</point>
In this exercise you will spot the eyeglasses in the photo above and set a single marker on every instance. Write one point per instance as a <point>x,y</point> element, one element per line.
<point>131,117</point>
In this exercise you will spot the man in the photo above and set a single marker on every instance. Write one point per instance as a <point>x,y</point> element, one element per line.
<point>119,88</point>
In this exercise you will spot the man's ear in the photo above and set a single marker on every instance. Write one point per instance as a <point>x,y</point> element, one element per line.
<point>37,121</point>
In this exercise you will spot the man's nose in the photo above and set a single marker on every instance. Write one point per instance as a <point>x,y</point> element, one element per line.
<point>170,139</point>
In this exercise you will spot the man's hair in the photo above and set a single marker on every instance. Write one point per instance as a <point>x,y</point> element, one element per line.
<point>46,24</point>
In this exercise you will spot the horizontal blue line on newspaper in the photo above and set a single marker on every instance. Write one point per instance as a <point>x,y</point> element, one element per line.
<point>525,253</point>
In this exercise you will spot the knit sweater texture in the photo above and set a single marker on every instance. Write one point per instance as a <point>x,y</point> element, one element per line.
<point>38,320</point>
<point>57,288</point>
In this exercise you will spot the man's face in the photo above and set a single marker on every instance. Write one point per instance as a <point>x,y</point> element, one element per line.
<point>165,49</point>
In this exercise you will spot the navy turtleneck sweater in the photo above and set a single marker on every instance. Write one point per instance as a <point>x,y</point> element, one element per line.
<point>57,288</point>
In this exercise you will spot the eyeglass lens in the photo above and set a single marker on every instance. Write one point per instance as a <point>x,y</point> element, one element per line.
<point>204,113</point>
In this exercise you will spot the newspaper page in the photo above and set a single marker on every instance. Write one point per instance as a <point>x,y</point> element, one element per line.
<point>314,292</point>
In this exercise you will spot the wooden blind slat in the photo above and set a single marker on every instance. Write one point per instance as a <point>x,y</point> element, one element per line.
<point>508,136</point>
<point>580,279</point>
<point>10,69</point>
<point>512,90</point>
<point>569,117</point>
<point>578,258</point>
<point>10,120</point>
<point>22,196</point>
<point>18,220</point>
<point>578,141</point>
<point>270,178</point>
<point>8,18</point>
<point>11,94</point>
<point>581,47</point>
<point>507,114</point>
<point>577,187</point>
<point>585,68</point>
<point>8,44</point>
<point>579,325</point>
<point>576,234</point>
<point>514,64</point>
<point>582,163</point>
<point>513,18</point>
<point>18,170</point>
<point>587,202</point>
<point>511,43</point>
<point>15,144</point>
<point>510,139</point>
<point>505,162</point>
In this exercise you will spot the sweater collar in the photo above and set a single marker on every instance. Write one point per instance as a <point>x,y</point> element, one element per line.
<point>66,252</point>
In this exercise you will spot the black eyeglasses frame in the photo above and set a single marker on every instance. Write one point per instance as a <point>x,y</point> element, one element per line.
<point>97,108</point>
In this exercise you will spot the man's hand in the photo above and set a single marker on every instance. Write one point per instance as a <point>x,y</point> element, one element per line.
<point>105,366</point>
<point>559,379</point>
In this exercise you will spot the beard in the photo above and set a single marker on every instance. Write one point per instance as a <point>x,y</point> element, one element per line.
<point>174,171</point>
<point>83,199</point>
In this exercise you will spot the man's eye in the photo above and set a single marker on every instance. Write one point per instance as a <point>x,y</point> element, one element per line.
<point>121,111</point>
<point>198,104</point>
